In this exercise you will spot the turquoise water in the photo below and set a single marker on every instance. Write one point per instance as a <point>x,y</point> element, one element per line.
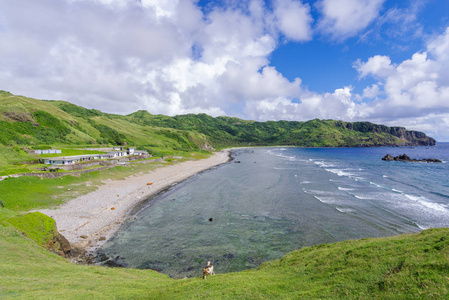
<point>270,201</point>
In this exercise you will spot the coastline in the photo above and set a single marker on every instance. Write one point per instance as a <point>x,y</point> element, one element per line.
<point>89,220</point>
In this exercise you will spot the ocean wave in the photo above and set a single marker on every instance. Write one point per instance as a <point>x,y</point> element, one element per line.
<point>361,197</point>
<point>326,200</point>
<point>376,184</point>
<point>346,189</point>
<point>324,164</point>
<point>318,192</point>
<point>341,172</point>
<point>345,210</point>
<point>426,203</point>
<point>422,227</point>
<point>440,194</point>
<point>397,191</point>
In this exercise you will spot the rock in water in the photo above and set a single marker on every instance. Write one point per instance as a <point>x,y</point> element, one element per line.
<point>405,157</point>
<point>388,157</point>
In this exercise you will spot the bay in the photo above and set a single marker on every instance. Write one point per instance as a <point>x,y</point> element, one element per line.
<point>270,201</point>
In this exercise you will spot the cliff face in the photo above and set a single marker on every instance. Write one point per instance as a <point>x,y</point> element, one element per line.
<point>409,137</point>
<point>415,137</point>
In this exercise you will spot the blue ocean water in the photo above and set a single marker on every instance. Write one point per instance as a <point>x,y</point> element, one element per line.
<point>270,201</point>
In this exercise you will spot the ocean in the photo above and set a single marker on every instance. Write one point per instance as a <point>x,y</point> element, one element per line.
<point>267,202</point>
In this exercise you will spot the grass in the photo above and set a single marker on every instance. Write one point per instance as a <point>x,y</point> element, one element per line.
<point>37,226</point>
<point>413,266</point>
<point>26,193</point>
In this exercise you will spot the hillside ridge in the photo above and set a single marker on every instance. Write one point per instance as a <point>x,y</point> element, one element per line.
<point>28,121</point>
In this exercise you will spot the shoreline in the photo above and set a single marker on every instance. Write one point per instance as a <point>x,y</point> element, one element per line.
<point>90,220</point>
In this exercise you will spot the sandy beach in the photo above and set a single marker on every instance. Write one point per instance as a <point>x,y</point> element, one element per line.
<point>88,220</point>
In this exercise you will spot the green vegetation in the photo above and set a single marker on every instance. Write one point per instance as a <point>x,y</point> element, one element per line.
<point>36,226</point>
<point>28,192</point>
<point>407,266</point>
<point>26,121</point>
<point>414,266</point>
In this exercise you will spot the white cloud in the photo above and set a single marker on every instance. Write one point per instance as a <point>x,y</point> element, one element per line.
<point>293,19</point>
<point>160,55</point>
<point>336,105</point>
<point>346,18</point>
<point>169,57</point>
<point>413,89</point>
<point>371,91</point>
<point>379,66</point>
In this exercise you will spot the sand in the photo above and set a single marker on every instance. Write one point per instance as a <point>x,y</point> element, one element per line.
<point>87,221</point>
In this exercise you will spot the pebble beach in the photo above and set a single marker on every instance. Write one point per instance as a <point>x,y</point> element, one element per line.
<point>88,220</point>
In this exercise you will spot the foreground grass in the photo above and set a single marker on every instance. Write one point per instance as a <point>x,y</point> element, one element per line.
<point>413,266</point>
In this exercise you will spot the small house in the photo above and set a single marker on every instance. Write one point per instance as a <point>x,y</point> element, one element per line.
<point>131,151</point>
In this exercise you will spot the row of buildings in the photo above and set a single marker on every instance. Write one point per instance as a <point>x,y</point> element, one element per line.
<point>70,160</point>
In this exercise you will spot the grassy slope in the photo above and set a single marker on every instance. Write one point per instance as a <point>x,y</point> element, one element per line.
<point>401,266</point>
<point>408,266</point>
<point>27,121</point>
<point>24,124</point>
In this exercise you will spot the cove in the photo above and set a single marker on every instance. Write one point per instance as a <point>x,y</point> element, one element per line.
<point>258,207</point>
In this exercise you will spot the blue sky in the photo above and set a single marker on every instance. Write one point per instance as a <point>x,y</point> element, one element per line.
<point>328,63</point>
<point>356,60</point>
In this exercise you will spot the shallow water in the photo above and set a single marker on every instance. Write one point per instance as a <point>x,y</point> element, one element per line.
<point>270,201</point>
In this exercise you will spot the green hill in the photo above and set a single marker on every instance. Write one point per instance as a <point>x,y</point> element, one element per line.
<point>30,122</point>
<point>413,266</point>
<point>408,266</point>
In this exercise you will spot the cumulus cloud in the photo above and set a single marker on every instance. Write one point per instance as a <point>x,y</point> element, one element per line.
<point>171,57</point>
<point>310,105</point>
<point>379,66</point>
<point>164,56</point>
<point>413,89</point>
<point>293,19</point>
<point>346,18</point>
<point>412,93</point>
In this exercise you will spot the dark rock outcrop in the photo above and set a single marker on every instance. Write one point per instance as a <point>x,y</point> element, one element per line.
<point>405,157</point>
<point>410,137</point>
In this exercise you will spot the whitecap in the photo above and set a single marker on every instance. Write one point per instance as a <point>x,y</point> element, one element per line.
<point>361,197</point>
<point>324,164</point>
<point>345,189</point>
<point>318,192</point>
<point>345,210</point>
<point>326,200</point>
<point>422,227</point>
<point>375,184</point>
<point>425,202</point>
<point>340,172</point>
